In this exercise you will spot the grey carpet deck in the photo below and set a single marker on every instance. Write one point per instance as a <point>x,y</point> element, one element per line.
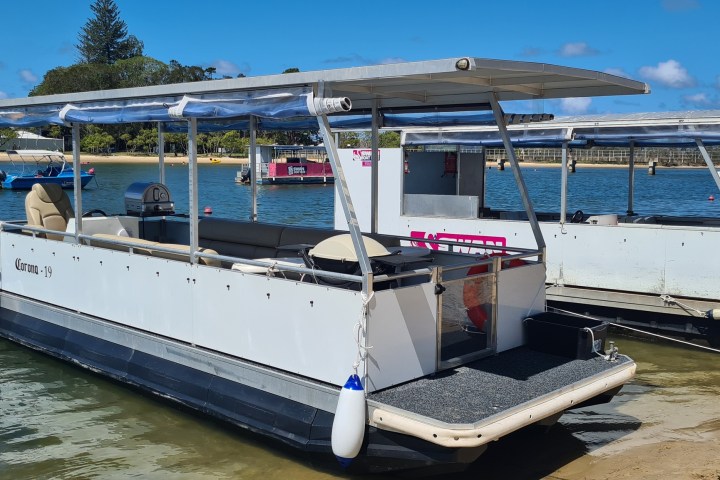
<point>477,390</point>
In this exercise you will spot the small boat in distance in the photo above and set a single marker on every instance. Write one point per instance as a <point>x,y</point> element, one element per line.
<point>289,165</point>
<point>41,166</point>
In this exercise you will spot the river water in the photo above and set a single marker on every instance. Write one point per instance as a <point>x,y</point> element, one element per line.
<point>61,422</point>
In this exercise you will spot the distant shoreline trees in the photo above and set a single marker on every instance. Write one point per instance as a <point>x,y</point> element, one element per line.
<point>110,58</point>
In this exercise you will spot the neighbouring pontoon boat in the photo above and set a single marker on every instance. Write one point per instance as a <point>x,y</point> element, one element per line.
<point>638,269</point>
<point>385,355</point>
<point>289,165</point>
<point>40,166</point>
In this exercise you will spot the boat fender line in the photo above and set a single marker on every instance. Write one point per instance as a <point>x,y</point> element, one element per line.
<point>348,428</point>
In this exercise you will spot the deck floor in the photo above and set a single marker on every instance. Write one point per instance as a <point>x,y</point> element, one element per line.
<point>478,390</point>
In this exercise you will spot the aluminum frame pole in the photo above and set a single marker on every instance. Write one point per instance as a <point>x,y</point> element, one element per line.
<point>374,175</point>
<point>161,153</point>
<point>502,129</point>
<point>564,183</point>
<point>631,180</point>
<point>193,187</point>
<point>255,175</point>
<point>77,185</point>
<point>344,194</point>
<point>708,161</point>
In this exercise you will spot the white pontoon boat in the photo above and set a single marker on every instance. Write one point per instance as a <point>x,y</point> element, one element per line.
<point>639,269</point>
<point>387,356</point>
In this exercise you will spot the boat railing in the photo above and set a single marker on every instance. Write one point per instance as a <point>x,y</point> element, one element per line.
<point>272,266</point>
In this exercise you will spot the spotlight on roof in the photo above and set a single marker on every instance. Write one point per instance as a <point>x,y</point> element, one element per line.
<point>462,64</point>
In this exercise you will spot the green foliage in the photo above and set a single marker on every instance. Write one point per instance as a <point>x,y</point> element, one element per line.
<point>104,38</point>
<point>389,140</point>
<point>6,134</point>
<point>349,140</point>
<point>96,140</point>
<point>233,141</point>
<point>291,70</point>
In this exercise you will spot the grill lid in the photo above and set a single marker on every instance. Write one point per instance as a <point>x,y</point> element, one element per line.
<point>340,247</point>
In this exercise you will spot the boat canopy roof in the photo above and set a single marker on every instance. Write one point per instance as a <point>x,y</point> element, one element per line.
<point>656,129</point>
<point>452,84</point>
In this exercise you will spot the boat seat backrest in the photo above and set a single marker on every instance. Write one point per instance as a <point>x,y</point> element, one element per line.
<point>48,206</point>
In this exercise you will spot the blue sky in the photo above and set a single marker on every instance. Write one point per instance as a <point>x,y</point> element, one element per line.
<point>670,44</point>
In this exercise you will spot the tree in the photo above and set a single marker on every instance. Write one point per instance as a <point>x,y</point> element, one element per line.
<point>291,70</point>
<point>104,38</point>
<point>233,142</point>
<point>6,134</point>
<point>389,140</point>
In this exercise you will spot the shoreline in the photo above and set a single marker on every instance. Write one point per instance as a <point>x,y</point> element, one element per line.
<point>88,159</point>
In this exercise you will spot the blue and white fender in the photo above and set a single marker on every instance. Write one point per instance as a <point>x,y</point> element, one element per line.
<point>348,427</point>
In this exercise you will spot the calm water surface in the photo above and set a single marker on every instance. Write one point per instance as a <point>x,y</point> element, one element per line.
<point>60,422</point>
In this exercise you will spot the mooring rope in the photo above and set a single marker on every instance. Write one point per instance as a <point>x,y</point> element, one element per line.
<point>644,332</point>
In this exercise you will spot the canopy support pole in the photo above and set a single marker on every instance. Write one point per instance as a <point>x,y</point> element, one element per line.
<point>343,193</point>
<point>374,145</point>
<point>564,183</point>
<point>161,152</point>
<point>255,175</point>
<point>708,161</point>
<point>193,186</point>
<point>502,128</point>
<point>631,180</point>
<point>77,186</point>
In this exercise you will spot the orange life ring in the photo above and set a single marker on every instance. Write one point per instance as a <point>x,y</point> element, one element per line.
<point>474,291</point>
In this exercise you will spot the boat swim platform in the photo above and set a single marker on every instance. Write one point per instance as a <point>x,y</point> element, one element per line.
<point>474,404</point>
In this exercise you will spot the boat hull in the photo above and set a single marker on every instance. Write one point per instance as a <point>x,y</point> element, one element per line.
<point>210,384</point>
<point>26,183</point>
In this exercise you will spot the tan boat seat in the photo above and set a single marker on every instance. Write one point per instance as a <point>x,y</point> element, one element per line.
<point>48,206</point>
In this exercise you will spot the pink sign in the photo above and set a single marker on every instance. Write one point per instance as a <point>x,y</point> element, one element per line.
<point>365,156</point>
<point>470,240</point>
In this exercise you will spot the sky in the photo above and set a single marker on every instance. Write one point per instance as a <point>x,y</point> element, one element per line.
<point>669,44</point>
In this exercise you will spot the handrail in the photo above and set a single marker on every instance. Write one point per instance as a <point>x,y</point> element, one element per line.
<point>271,264</point>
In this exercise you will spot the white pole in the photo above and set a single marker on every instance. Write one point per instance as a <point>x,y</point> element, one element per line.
<point>193,186</point>
<point>77,186</point>
<point>161,152</point>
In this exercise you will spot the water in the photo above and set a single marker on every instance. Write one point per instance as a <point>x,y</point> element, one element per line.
<point>61,422</point>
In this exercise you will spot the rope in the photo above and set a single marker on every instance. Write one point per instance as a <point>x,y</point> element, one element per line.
<point>359,332</point>
<point>644,332</point>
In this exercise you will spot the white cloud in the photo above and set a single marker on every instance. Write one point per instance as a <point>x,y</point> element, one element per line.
<point>225,67</point>
<point>27,76</point>
<point>575,106</point>
<point>618,72</point>
<point>578,49</point>
<point>670,74</point>
<point>698,100</point>
<point>3,94</point>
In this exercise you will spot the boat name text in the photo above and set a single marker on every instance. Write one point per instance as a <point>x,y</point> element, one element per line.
<point>31,268</point>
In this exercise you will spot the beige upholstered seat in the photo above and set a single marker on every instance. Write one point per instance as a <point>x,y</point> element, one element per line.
<point>48,206</point>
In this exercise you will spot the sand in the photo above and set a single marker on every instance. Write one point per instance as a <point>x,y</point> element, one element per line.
<point>88,159</point>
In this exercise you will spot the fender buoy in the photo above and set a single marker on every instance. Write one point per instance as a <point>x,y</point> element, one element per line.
<point>91,171</point>
<point>348,427</point>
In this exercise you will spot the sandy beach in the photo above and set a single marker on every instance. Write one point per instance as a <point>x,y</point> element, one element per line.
<point>89,159</point>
